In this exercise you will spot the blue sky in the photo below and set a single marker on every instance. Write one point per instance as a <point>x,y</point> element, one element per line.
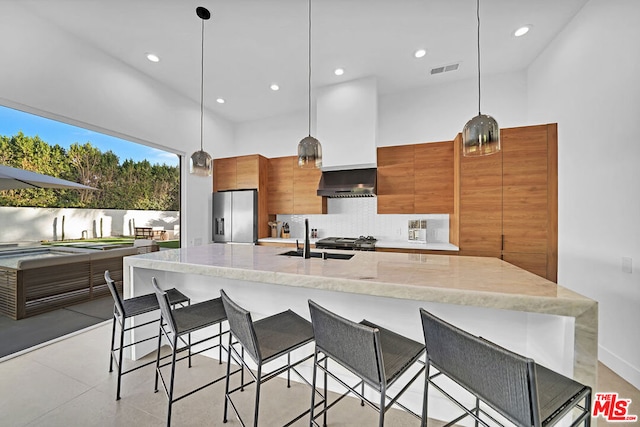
<point>53,132</point>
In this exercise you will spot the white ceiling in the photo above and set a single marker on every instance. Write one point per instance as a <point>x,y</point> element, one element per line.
<point>250,44</point>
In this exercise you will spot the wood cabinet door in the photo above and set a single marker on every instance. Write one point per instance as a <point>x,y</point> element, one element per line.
<point>524,169</point>
<point>280,185</point>
<point>433,166</point>
<point>396,179</point>
<point>530,201</point>
<point>305,188</point>
<point>224,174</point>
<point>480,205</point>
<point>247,172</point>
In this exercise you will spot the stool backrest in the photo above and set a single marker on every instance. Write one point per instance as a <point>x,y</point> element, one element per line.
<point>241,326</point>
<point>117,299</point>
<point>165,307</point>
<point>353,345</point>
<point>501,378</point>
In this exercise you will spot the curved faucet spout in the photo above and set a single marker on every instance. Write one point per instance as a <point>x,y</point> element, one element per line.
<point>307,244</point>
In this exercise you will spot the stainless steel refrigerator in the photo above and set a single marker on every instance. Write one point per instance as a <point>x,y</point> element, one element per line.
<point>235,216</point>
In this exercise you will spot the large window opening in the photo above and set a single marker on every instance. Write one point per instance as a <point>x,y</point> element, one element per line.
<point>137,186</point>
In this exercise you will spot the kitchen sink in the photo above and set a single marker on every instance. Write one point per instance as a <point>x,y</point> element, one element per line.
<point>327,255</point>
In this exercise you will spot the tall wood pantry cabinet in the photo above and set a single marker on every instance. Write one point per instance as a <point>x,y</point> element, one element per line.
<point>507,203</point>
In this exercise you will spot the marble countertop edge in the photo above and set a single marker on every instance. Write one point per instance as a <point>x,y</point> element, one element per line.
<point>571,305</point>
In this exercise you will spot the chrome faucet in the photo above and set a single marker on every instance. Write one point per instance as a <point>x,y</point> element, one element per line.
<point>307,245</point>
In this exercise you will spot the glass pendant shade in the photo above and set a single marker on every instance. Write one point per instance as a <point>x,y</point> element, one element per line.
<point>309,153</point>
<point>480,136</point>
<point>201,164</point>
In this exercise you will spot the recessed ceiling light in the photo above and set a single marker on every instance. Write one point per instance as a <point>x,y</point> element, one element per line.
<point>338,71</point>
<point>220,100</point>
<point>522,31</point>
<point>153,57</point>
<point>274,87</point>
<point>419,53</point>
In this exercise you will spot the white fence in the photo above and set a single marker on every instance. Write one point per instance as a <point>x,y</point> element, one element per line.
<point>52,224</point>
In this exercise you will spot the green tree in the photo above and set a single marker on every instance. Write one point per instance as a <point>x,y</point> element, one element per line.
<point>132,185</point>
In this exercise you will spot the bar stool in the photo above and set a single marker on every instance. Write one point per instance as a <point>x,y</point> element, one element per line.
<point>174,325</point>
<point>127,309</point>
<point>377,356</point>
<point>514,386</point>
<point>265,340</point>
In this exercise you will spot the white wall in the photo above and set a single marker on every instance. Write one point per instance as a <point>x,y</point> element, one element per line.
<point>50,73</point>
<point>273,137</point>
<point>587,81</point>
<point>38,224</point>
<point>428,114</point>
<point>438,113</point>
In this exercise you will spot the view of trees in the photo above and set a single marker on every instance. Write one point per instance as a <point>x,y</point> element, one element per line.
<point>130,185</point>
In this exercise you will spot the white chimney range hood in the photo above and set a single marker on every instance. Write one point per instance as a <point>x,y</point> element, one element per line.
<point>347,124</point>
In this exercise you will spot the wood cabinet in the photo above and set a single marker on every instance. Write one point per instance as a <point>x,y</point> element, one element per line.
<point>224,174</point>
<point>396,179</point>
<point>433,168</point>
<point>281,185</point>
<point>417,178</point>
<point>507,204</point>
<point>238,173</point>
<point>305,191</point>
<point>293,190</point>
<point>245,173</point>
<point>530,198</point>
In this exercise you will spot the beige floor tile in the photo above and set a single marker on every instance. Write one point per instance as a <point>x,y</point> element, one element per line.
<point>85,359</point>
<point>93,408</point>
<point>29,390</point>
<point>68,383</point>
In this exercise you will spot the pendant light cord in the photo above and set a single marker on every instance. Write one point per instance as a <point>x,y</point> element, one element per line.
<point>202,91</point>
<point>309,85</point>
<point>478,17</point>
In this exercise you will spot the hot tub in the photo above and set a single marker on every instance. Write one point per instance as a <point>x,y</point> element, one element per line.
<point>41,279</point>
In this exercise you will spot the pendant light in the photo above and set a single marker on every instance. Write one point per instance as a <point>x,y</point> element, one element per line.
<point>201,163</point>
<point>481,134</point>
<point>309,148</point>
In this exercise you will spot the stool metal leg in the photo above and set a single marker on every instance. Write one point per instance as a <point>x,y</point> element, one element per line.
<point>257,408</point>
<point>123,322</point>
<point>289,370</point>
<point>226,384</point>
<point>383,396</point>
<point>113,340</point>
<point>173,375</point>
<point>241,372</point>
<point>155,389</point>
<point>326,396</point>
<point>425,400</point>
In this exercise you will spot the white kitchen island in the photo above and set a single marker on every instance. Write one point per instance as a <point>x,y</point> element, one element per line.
<point>486,296</point>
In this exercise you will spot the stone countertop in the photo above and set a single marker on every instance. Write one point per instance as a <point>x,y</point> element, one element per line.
<point>392,244</point>
<point>472,281</point>
<point>405,244</point>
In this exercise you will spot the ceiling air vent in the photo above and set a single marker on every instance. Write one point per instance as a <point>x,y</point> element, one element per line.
<point>445,68</point>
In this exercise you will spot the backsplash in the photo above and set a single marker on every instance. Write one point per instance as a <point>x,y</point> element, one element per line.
<point>353,217</point>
